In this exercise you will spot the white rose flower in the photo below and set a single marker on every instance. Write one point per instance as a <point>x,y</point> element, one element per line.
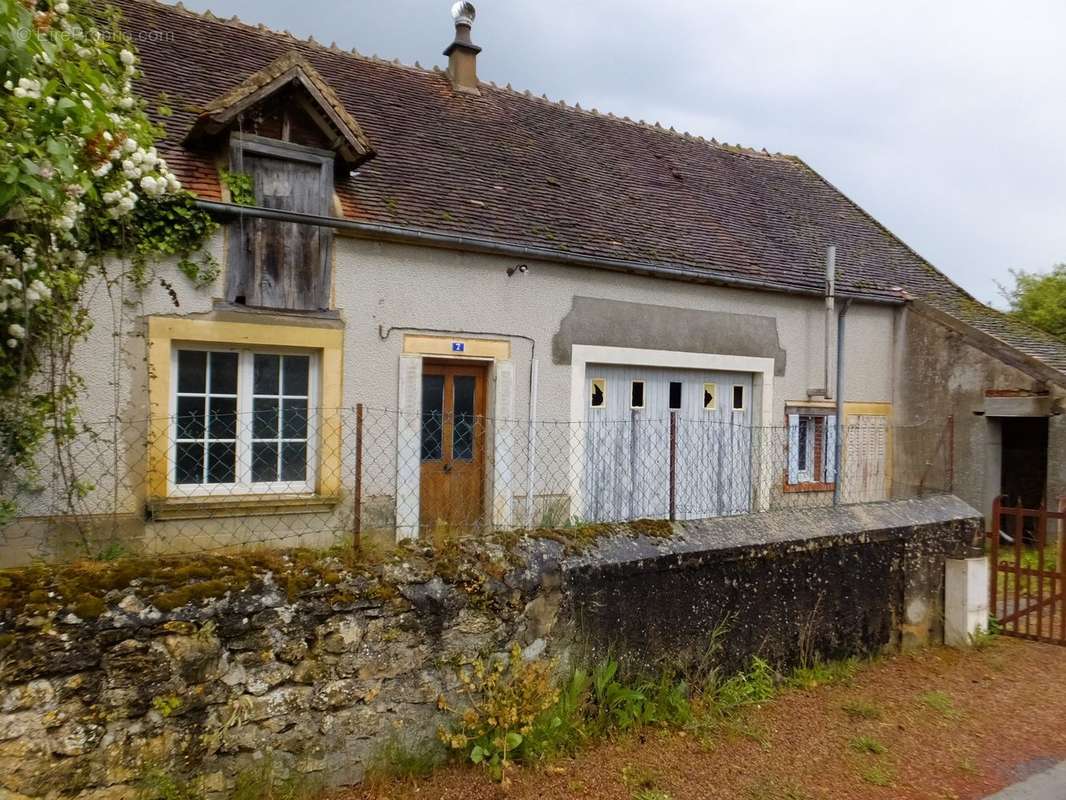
<point>12,343</point>
<point>9,85</point>
<point>16,331</point>
<point>126,103</point>
<point>127,57</point>
<point>61,7</point>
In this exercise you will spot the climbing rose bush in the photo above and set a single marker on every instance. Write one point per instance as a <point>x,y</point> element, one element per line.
<point>80,179</point>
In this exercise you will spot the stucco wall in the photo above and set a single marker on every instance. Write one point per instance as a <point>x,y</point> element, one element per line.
<point>381,286</point>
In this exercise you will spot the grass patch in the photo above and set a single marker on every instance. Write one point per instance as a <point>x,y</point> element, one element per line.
<point>985,638</point>
<point>643,783</point>
<point>869,745</point>
<point>878,775</point>
<point>862,709</point>
<point>942,703</point>
<point>404,758</point>
<point>824,673</point>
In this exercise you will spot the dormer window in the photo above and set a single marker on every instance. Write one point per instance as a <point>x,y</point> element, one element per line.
<point>272,263</point>
<point>288,133</point>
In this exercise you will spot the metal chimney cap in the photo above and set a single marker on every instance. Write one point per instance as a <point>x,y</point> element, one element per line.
<point>463,12</point>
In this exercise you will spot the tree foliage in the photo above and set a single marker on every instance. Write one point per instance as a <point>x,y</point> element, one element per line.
<point>1039,298</point>
<point>83,194</point>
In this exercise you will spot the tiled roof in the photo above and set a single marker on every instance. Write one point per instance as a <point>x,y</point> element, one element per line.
<point>525,170</point>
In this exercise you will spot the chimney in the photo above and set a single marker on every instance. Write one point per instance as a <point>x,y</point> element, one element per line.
<point>462,53</point>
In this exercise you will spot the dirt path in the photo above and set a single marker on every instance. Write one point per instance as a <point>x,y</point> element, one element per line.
<point>951,724</point>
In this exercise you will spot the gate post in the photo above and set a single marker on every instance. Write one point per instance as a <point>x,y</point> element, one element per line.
<point>993,588</point>
<point>965,599</point>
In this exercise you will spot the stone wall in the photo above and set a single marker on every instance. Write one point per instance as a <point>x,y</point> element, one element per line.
<point>203,666</point>
<point>313,665</point>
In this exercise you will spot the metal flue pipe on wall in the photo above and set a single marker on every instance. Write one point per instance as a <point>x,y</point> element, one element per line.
<point>830,304</point>
<point>839,438</point>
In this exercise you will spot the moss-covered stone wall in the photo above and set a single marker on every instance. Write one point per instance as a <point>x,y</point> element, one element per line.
<point>204,666</point>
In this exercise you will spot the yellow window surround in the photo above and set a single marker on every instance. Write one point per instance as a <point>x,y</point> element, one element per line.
<point>163,332</point>
<point>471,347</point>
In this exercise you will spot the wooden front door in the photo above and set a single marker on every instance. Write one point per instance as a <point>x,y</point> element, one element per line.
<point>453,446</point>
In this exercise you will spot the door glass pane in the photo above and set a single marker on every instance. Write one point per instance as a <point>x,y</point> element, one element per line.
<point>264,461</point>
<point>223,373</point>
<point>192,371</point>
<point>294,374</point>
<point>464,420</point>
<point>432,417</point>
<point>265,375</point>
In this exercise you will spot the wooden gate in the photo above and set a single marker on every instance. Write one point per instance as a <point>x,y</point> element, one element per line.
<point>1028,591</point>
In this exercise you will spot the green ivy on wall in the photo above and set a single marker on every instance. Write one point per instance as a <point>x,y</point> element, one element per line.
<point>83,194</point>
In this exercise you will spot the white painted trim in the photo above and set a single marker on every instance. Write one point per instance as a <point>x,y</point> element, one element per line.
<point>762,372</point>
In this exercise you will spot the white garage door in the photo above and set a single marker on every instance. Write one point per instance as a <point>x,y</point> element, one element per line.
<point>626,471</point>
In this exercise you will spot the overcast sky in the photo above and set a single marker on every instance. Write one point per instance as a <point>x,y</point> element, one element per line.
<point>946,120</point>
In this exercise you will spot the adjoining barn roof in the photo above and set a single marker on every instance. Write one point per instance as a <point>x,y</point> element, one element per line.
<point>527,171</point>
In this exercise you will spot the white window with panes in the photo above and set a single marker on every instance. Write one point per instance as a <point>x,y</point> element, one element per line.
<point>243,421</point>
<point>811,449</point>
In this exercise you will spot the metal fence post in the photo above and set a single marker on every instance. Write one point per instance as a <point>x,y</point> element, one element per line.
<point>673,466</point>
<point>357,521</point>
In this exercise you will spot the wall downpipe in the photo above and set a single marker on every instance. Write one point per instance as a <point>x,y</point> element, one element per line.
<point>531,443</point>
<point>839,438</point>
<point>830,303</point>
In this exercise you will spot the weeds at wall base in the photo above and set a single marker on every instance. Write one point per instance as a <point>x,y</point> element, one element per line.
<point>515,716</point>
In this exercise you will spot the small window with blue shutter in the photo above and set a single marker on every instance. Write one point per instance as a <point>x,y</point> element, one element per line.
<point>811,450</point>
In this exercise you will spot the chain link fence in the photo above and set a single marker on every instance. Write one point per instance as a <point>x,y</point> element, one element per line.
<point>289,476</point>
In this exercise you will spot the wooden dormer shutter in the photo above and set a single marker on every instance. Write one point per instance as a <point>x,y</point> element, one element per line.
<point>282,265</point>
